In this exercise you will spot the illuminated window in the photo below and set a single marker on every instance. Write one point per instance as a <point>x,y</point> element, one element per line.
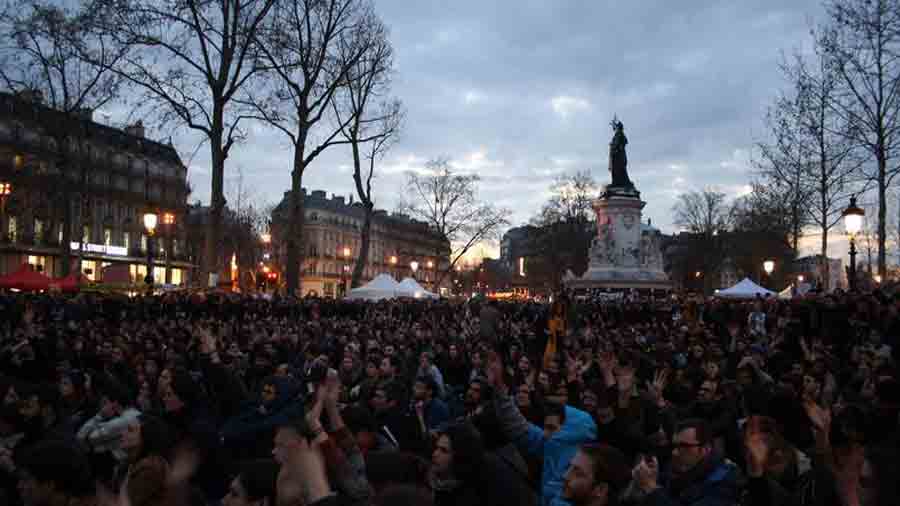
<point>89,269</point>
<point>144,242</point>
<point>38,230</point>
<point>19,161</point>
<point>176,276</point>
<point>39,263</point>
<point>107,236</point>
<point>13,229</point>
<point>126,239</point>
<point>86,234</point>
<point>59,234</point>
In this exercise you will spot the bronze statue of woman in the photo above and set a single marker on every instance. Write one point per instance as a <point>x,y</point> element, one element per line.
<point>618,160</point>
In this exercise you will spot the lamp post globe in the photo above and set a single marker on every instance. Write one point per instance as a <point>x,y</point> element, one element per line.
<point>853,219</point>
<point>769,266</point>
<point>150,221</point>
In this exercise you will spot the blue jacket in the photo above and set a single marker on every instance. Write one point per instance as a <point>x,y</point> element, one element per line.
<point>557,451</point>
<point>716,486</point>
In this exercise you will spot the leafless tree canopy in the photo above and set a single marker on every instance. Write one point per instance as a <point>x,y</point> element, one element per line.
<point>703,212</point>
<point>375,124</point>
<point>313,50</point>
<point>45,48</point>
<point>190,60</point>
<point>449,203</point>
<point>861,46</point>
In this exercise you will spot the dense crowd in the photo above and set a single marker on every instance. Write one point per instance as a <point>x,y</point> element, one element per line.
<point>222,399</point>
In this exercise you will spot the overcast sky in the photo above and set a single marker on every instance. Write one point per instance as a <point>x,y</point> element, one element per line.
<point>522,91</point>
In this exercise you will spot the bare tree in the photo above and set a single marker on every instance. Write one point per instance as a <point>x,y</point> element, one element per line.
<point>311,47</point>
<point>246,219</point>
<point>374,118</point>
<point>563,230</point>
<point>706,216</point>
<point>46,54</point>
<point>832,159</point>
<point>861,45</point>
<point>374,125</point>
<point>191,61</point>
<point>449,204</point>
<point>783,165</point>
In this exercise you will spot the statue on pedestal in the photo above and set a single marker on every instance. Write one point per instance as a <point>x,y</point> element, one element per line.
<point>618,159</point>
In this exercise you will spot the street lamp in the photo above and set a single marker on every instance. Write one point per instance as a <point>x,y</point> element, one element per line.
<point>769,266</point>
<point>150,221</point>
<point>5,191</point>
<point>853,217</point>
<point>414,266</point>
<point>800,278</point>
<point>346,252</point>
<point>266,237</point>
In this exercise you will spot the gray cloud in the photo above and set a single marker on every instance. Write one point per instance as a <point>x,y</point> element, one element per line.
<point>523,91</point>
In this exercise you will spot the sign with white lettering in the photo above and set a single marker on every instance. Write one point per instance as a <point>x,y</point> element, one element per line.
<point>119,251</point>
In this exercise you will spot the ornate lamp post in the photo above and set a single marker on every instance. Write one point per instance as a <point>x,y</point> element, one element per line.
<point>414,266</point>
<point>853,217</point>
<point>150,220</point>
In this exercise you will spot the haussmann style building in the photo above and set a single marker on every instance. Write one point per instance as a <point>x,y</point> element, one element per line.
<point>61,170</point>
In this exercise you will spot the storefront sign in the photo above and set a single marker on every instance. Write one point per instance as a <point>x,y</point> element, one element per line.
<point>119,251</point>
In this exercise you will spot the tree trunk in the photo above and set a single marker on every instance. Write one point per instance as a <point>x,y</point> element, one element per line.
<point>295,225</point>
<point>825,267</point>
<point>364,239</point>
<point>882,214</point>
<point>212,251</point>
<point>213,244</point>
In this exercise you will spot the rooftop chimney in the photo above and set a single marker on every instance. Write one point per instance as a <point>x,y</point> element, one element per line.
<point>30,95</point>
<point>136,130</point>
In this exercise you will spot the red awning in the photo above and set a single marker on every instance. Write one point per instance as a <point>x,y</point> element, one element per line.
<point>25,279</point>
<point>71,283</point>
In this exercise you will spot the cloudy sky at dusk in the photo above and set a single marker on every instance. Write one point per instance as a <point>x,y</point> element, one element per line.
<point>521,92</point>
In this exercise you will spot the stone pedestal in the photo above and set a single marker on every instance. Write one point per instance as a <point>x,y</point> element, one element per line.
<point>626,252</point>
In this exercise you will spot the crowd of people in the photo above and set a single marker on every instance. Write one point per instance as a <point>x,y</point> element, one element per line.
<point>221,399</point>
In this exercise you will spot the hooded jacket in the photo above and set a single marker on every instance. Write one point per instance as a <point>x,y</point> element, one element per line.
<point>557,451</point>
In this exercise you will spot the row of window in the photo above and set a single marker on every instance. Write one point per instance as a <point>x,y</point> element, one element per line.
<point>110,237</point>
<point>110,156</point>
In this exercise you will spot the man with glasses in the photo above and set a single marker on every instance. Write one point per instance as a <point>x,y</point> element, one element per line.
<point>698,476</point>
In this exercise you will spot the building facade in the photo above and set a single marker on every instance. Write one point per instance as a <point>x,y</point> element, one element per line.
<point>399,245</point>
<point>812,268</point>
<point>65,170</point>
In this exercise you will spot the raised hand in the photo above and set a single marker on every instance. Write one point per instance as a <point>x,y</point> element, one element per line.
<point>756,443</point>
<point>646,474</point>
<point>819,416</point>
<point>657,386</point>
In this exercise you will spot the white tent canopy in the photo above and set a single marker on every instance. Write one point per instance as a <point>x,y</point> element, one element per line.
<point>795,290</point>
<point>411,288</point>
<point>382,287</point>
<point>746,289</point>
